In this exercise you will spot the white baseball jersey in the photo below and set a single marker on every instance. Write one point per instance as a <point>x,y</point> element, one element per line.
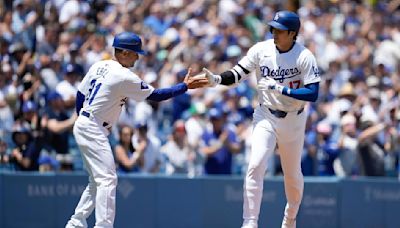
<point>106,87</point>
<point>292,69</point>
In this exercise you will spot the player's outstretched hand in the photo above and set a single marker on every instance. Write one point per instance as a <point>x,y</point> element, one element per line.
<point>213,79</point>
<point>267,83</point>
<point>194,82</point>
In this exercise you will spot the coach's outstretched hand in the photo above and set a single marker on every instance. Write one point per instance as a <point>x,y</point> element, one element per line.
<point>194,82</point>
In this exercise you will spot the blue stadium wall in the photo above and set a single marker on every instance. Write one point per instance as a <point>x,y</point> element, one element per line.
<point>48,200</point>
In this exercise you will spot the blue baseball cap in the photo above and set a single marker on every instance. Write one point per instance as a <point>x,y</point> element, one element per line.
<point>73,69</point>
<point>47,160</point>
<point>128,41</point>
<point>53,95</point>
<point>29,106</point>
<point>285,20</point>
<point>20,128</point>
<point>215,113</point>
<point>141,124</point>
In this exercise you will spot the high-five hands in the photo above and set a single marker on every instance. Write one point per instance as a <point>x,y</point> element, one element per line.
<point>213,79</point>
<point>194,82</point>
<point>269,84</point>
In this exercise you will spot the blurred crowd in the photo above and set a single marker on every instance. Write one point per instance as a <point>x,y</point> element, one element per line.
<point>46,46</point>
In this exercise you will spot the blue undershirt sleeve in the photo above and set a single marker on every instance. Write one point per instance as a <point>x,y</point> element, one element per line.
<point>80,98</point>
<point>309,93</point>
<point>165,94</point>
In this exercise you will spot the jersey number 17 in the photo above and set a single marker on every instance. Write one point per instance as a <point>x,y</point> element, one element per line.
<point>294,84</point>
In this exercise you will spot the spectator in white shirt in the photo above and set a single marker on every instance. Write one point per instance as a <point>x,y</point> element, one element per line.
<point>68,87</point>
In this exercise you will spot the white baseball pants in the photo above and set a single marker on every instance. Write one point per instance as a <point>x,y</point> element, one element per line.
<point>268,132</point>
<point>99,161</point>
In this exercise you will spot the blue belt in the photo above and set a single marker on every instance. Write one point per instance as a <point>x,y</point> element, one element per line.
<point>105,124</point>
<point>282,114</point>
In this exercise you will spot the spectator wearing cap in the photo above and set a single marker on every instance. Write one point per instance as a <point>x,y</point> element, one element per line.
<point>25,154</point>
<point>218,144</point>
<point>75,57</point>
<point>29,110</point>
<point>347,92</point>
<point>311,146</point>
<point>180,158</point>
<point>36,124</point>
<point>59,126</point>
<point>30,115</point>
<point>152,159</point>
<point>68,87</point>
<point>327,150</point>
<point>47,164</point>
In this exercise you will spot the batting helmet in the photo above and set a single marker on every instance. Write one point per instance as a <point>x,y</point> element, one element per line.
<point>285,20</point>
<point>128,41</point>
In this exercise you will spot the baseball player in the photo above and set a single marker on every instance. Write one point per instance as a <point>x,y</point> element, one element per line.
<point>287,77</point>
<point>100,97</point>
